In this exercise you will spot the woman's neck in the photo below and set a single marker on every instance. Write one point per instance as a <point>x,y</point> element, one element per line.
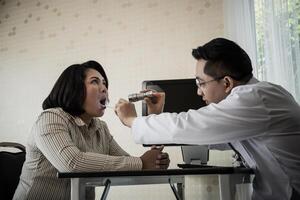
<point>86,118</point>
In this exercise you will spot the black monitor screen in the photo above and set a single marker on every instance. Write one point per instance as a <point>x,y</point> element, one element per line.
<point>181,94</point>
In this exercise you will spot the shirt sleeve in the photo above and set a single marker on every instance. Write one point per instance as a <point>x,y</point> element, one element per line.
<point>114,147</point>
<point>52,137</point>
<point>240,116</point>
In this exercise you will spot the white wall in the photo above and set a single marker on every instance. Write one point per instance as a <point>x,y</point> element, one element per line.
<point>134,40</point>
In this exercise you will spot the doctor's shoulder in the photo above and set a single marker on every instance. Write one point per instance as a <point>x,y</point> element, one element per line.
<point>265,92</point>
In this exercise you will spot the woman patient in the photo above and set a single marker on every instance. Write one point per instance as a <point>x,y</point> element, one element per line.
<point>68,136</point>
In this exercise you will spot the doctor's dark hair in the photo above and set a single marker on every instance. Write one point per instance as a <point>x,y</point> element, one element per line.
<point>69,91</point>
<point>224,58</point>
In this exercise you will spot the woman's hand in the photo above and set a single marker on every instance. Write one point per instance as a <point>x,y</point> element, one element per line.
<point>155,159</point>
<point>126,112</point>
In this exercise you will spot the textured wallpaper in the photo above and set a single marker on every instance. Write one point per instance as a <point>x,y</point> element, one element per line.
<point>134,40</point>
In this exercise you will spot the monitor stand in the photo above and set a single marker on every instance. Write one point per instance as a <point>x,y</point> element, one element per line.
<point>194,156</point>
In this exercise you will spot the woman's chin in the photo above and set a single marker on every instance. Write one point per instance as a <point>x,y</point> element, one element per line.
<point>100,113</point>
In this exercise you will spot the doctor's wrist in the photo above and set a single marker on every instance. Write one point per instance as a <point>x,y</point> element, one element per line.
<point>129,121</point>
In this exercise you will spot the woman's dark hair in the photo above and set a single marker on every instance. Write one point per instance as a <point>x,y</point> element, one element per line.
<point>69,91</point>
<point>224,58</point>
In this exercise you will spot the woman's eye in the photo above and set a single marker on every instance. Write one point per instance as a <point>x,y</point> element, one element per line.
<point>95,81</point>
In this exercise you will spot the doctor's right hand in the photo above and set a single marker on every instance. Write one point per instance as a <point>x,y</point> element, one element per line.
<point>157,106</point>
<point>126,112</point>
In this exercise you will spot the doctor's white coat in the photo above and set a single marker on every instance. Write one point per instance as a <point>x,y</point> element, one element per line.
<point>261,120</point>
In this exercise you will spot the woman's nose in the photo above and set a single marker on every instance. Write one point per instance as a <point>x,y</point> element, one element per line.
<point>103,89</point>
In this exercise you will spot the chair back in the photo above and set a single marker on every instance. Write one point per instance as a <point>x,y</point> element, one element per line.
<point>10,169</point>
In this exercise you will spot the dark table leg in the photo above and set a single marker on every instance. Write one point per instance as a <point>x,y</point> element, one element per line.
<point>106,189</point>
<point>176,193</point>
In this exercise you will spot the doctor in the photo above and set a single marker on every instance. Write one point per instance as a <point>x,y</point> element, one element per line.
<point>260,120</point>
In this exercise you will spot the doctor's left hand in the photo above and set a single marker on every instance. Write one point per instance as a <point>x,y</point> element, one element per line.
<point>126,112</point>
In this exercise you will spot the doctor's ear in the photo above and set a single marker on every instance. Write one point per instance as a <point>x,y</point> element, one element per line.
<point>228,83</point>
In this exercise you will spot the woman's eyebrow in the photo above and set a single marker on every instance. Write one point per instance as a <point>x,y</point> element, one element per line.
<point>95,77</point>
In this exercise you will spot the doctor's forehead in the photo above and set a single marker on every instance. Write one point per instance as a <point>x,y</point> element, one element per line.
<point>200,67</point>
<point>201,63</point>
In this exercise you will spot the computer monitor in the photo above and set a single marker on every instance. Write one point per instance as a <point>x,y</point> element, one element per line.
<point>181,95</point>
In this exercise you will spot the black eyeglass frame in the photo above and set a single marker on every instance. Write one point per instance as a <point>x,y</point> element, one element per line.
<point>202,84</point>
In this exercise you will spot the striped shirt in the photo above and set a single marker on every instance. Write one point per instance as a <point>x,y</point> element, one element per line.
<point>61,142</point>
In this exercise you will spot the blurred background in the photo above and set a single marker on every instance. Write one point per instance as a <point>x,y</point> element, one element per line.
<point>134,40</point>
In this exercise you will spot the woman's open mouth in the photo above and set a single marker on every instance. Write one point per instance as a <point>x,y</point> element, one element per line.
<point>103,103</point>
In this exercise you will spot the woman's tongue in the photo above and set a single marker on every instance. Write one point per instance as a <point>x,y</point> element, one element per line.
<point>101,105</point>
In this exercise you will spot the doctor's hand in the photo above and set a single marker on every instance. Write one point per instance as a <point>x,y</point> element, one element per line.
<point>126,112</point>
<point>155,105</point>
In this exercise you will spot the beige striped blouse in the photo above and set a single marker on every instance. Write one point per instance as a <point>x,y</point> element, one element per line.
<point>61,142</point>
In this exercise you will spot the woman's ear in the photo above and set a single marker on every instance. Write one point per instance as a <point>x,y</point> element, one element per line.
<point>229,83</point>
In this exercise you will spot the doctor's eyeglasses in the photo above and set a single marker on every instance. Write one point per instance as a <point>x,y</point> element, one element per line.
<point>201,84</point>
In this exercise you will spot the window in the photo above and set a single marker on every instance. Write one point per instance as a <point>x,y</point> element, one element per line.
<point>277,25</point>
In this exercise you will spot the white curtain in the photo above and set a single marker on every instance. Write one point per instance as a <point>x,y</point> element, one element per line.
<point>278,43</point>
<point>239,26</point>
<point>269,31</point>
